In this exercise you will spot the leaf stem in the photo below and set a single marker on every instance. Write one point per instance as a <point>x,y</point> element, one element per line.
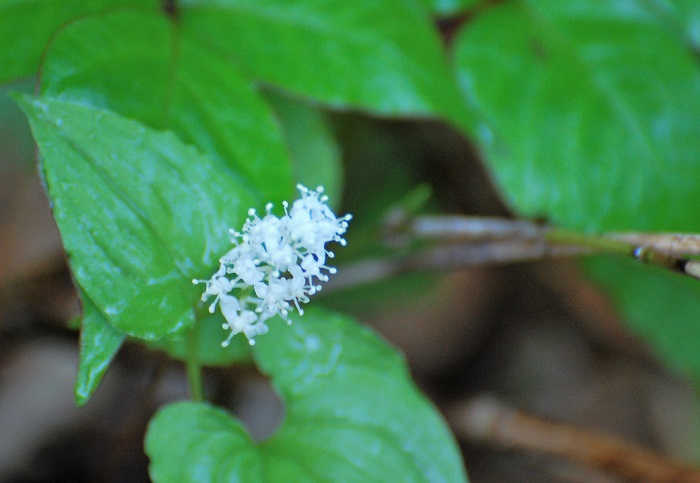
<point>193,368</point>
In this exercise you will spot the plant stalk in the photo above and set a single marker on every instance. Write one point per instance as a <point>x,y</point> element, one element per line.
<point>193,368</point>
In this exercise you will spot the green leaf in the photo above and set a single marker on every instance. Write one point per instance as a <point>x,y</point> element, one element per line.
<point>195,442</point>
<point>589,113</point>
<point>660,306</point>
<point>99,343</point>
<point>351,402</point>
<point>352,414</point>
<point>27,25</point>
<point>315,153</point>
<point>174,84</point>
<point>209,335</point>
<point>384,57</point>
<point>683,16</point>
<point>140,213</point>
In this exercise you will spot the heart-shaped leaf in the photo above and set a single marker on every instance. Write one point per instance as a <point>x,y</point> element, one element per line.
<point>589,112</point>
<point>352,414</point>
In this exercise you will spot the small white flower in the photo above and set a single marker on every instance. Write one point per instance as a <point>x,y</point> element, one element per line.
<point>273,264</point>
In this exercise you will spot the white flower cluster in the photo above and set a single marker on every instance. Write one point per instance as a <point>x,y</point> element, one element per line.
<point>274,263</point>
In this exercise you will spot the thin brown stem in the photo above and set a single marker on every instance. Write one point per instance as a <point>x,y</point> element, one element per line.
<point>669,251</point>
<point>460,242</point>
<point>670,243</point>
<point>474,228</point>
<point>448,257</point>
<point>485,420</point>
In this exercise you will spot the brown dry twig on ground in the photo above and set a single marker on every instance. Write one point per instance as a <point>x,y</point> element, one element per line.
<point>485,420</point>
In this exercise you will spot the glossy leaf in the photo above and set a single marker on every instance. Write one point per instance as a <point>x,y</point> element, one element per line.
<point>140,213</point>
<point>99,343</point>
<point>196,442</point>
<point>315,153</point>
<point>589,113</point>
<point>352,414</point>
<point>27,25</point>
<point>173,84</point>
<point>589,120</point>
<point>384,57</point>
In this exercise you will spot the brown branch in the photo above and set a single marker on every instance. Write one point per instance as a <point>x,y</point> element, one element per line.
<point>474,228</point>
<point>462,242</point>
<point>448,257</point>
<point>670,243</point>
<point>485,228</point>
<point>485,420</point>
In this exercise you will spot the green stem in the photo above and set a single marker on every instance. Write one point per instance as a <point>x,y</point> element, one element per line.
<point>194,369</point>
<point>597,243</point>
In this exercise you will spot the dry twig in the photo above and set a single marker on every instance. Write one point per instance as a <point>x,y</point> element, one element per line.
<point>461,241</point>
<point>486,420</point>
